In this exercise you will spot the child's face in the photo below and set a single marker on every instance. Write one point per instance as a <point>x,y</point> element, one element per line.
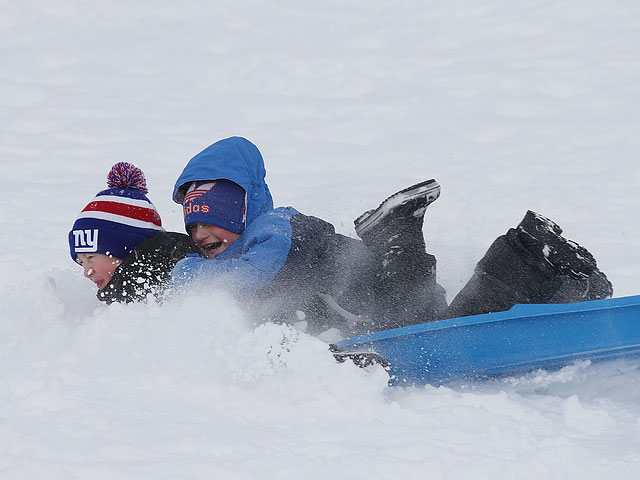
<point>211,240</point>
<point>98,268</point>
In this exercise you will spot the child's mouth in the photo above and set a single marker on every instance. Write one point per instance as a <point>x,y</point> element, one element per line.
<point>212,247</point>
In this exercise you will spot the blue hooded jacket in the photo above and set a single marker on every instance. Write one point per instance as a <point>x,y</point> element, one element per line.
<point>257,256</point>
<point>235,159</point>
<point>284,258</point>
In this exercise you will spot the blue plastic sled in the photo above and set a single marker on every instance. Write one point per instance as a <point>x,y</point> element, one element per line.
<point>525,338</point>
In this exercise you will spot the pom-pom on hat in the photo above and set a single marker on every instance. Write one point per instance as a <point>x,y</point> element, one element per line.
<point>215,202</point>
<point>118,219</point>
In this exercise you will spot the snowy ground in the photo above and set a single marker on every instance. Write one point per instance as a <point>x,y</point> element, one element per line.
<point>510,105</point>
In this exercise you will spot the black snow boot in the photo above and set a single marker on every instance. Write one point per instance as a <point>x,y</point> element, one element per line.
<point>580,278</point>
<point>405,282</point>
<point>532,263</point>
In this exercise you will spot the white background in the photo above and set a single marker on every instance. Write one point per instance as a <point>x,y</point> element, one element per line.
<point>509,105</point>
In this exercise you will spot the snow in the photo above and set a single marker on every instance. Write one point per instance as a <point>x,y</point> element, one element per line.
<point>509,105</point>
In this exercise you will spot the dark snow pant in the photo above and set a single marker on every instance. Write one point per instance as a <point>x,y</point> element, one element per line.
<point>406,291</point>
<point>337,281</point>
<point>515,269</point>
<point>412,296</point>
<point>506,275</point>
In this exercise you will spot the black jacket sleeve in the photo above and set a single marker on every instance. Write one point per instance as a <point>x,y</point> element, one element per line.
<point>147,269</point>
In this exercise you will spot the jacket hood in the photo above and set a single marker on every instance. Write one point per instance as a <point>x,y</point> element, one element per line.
<point>235,159</point>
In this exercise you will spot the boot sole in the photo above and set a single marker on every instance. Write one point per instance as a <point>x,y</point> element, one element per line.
<point>430,189</point>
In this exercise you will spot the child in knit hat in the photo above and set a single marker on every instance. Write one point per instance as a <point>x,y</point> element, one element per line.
<point>119,241</point>
<point>214,214</point>
<point>294,267</point>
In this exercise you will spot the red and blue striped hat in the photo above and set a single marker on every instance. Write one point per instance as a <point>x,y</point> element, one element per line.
<point>118,219</point>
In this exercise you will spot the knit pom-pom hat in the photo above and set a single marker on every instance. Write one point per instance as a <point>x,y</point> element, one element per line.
<point>118,219</point>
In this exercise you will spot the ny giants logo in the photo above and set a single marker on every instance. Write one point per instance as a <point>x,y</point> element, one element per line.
<point>86,240</point>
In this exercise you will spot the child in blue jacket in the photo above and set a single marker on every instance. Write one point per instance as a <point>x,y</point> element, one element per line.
<point>291,266</point>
